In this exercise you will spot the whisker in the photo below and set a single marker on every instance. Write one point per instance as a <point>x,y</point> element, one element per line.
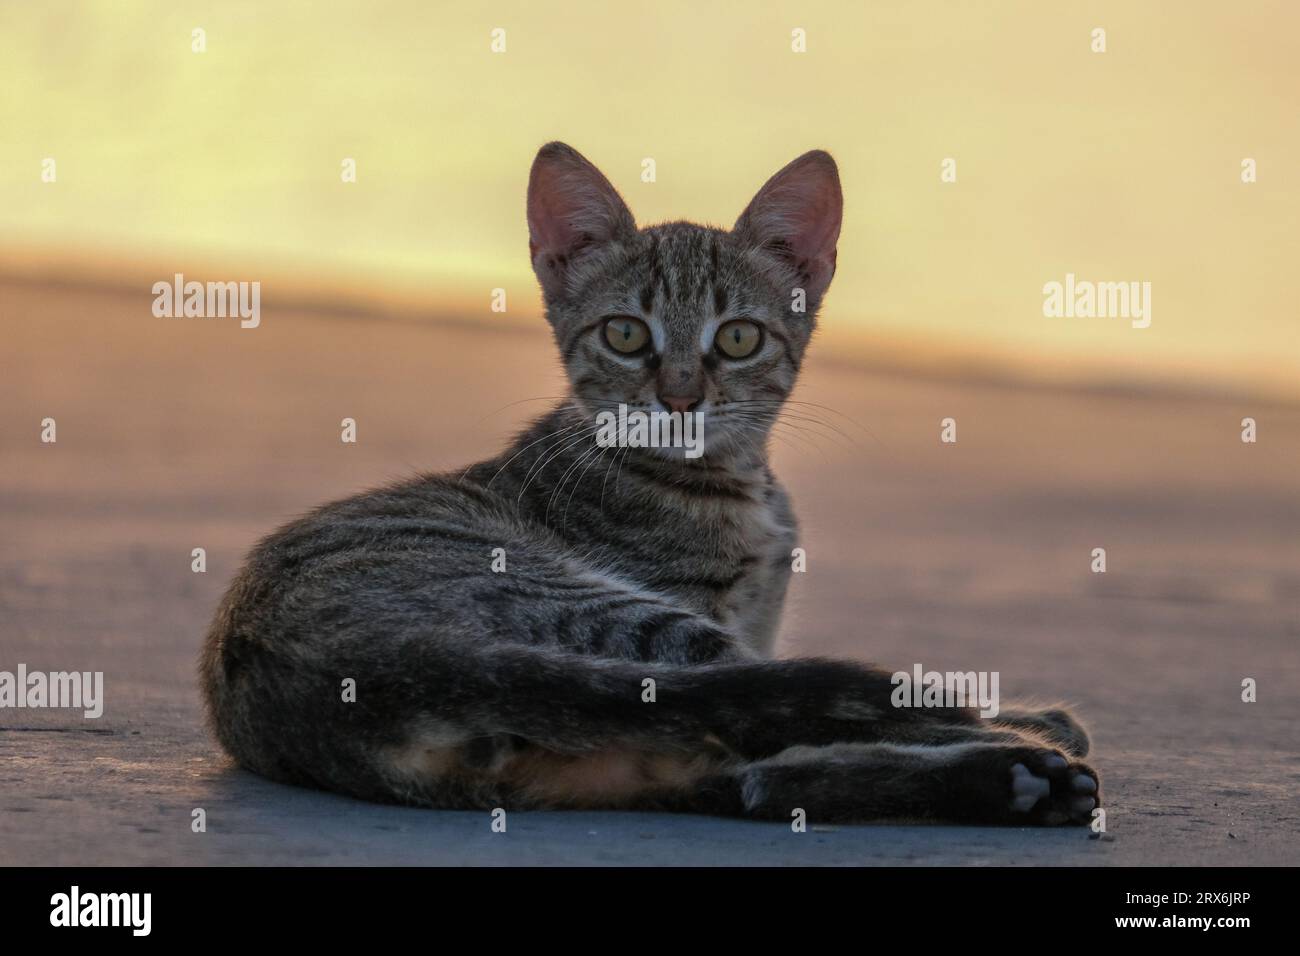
<point>800,423</point>
<point>567,428</point>
<point>598,456</point>
<point>834,411</point>
<point>539,398</point>
<point>613,458</point>
<point>559,487</point>
<point>538,467</point>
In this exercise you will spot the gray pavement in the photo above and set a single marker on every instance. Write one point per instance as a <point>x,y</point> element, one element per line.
<point>972,556</point>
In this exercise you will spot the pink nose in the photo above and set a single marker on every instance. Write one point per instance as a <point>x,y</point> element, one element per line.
<point>679,403</point>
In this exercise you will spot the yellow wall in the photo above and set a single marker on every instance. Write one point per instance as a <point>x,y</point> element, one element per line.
<point>1116,166</point>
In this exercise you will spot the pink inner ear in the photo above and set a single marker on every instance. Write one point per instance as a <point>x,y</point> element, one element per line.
<point>569,201</point>
<point>819,222</point>
<point>801,205</point>
<point>552,207</point>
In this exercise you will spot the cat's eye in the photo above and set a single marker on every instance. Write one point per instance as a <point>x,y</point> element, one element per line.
<point>626,334</point>
<point>738,338</point>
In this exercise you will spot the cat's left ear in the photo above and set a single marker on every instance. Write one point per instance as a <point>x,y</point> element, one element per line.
<point>572,210</point>
<point>796,218</point>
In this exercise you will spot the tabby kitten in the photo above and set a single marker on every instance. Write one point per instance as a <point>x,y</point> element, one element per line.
<point>530,687</point>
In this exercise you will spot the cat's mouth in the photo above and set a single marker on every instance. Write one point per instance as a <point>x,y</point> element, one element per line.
<point>669,433</point>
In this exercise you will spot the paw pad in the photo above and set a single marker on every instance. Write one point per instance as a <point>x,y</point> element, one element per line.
<point>1054,791</point>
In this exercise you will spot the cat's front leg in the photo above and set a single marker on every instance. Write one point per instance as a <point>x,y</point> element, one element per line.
<point>1055,724</point>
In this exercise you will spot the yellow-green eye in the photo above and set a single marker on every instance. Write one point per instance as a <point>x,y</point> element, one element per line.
<point>738,338</point>
<point>626,334</point>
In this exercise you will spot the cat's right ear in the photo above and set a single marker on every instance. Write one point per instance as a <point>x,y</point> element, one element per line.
<point>572,209</point>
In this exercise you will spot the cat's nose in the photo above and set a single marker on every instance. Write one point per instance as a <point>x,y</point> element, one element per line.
<point>681,403</point>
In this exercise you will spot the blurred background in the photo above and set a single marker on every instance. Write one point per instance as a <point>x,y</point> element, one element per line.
<point>1073,434</point>
<point>1122,165</point>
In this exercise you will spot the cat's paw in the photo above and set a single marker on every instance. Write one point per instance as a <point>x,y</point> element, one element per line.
<point>1067,732</point>
<point>1055,724</point>
<point>1048,789</point>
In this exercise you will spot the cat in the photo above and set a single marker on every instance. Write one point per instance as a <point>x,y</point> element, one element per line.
<point>575,626</point>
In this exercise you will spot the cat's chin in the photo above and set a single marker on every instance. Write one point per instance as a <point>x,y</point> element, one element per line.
<point>717,449</point>
<point>680,454</point>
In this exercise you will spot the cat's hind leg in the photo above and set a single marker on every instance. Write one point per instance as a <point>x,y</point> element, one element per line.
<point>1022,784</point>
<point>522,728</point>
<point>979,783</point>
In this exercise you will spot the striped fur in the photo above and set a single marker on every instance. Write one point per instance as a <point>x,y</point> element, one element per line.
<point>479,686</point>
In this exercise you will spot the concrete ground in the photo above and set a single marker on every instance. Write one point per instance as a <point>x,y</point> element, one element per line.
<point>175,434</point>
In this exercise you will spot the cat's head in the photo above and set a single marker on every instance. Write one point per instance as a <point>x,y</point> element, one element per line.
<point>680,317</point>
